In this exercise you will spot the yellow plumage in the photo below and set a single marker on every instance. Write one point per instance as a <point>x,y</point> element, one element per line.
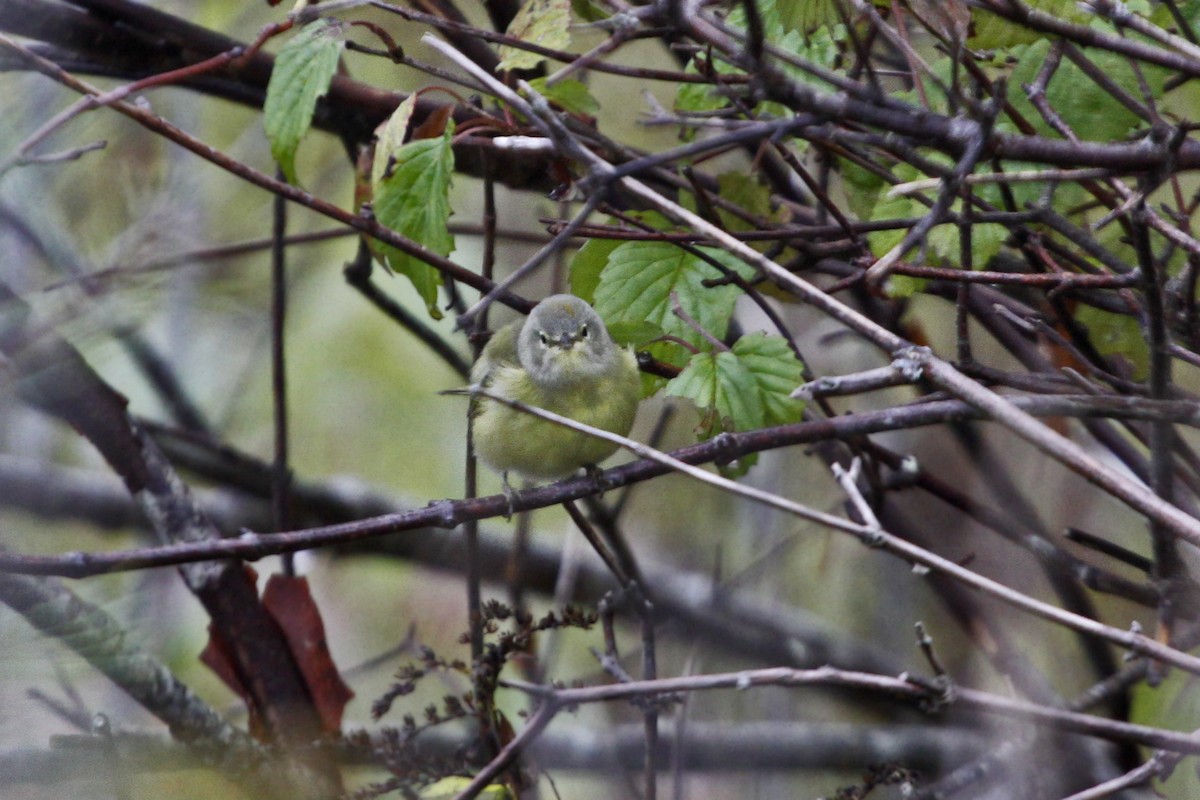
<point>561,359</point>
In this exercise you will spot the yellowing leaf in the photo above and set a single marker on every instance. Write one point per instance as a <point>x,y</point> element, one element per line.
<point>542,22</point>
<point>449,788</point>
<point>389,138</point>
<point>302,73</point>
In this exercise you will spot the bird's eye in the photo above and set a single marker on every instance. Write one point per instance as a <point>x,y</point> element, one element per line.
<point>545,339</point>
<point>583,332</point>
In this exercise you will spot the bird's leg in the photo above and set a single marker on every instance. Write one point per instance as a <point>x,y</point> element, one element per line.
<point>595,473</point>
<point>509,494</point>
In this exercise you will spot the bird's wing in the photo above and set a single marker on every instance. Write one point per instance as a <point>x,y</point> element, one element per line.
<point>500,351</point>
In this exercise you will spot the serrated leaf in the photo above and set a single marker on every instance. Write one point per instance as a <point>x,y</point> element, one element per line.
<point>638,281</point>
<point>569,94</point>
<point>943,240</point>
<point>724,390</point>
<point>821,46</point>
<point>776,372</point>
<point>742,389</point>
<point>809,15</point>
<point>591,259</point>
<point>802,29</point>
<point>389,138</point>
<point>542,22</point>
<point>696,98</point>
<point>301,76</point>
<point>414,200</point>
<point>768,12</point>
<point>1087,108</point>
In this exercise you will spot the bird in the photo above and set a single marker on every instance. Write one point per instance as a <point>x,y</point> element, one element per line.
<point>562,359</point>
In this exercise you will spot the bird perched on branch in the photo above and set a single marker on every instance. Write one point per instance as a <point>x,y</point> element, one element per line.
<point>561,359</point>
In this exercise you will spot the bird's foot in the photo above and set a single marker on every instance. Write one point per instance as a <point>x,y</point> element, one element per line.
<point>595,473</point>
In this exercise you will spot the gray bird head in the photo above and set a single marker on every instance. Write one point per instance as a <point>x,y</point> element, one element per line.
<point>564,341</point>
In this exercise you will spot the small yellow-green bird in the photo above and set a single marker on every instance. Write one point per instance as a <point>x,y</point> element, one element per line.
<point>562,359</point>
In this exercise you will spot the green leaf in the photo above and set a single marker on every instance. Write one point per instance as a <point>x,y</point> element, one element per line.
<point>725,391</point>
<point>819,46</point>
<point>902,287</point>
<point>742,389</point>
<point>697,97</point>
<point>1172,704</point>
<point>1090,111</point>
<point>1116,335</point>
<point>989,31</point>
<point>986,240</point>
<point>303,70</point>
<point>747,192</point>
<point>588,263</point>
<point>768,12</point>
<point>569,94</point>
<point>804,29</point>
<point>861,186</point>
<point>943,240</point>
<point>932,99</point>
<point>591,259</point>
<point>776,372</point>
<point>1189,10</point>
<point>637,283</point>
<point>809,15</point>
<point>633,333</point>
<point>542,22</point>
<point>414,201</point>
<point>889,207</point>
<point>588,11</point>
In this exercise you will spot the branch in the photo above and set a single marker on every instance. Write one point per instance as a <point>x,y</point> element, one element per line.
<point>451,513</point>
